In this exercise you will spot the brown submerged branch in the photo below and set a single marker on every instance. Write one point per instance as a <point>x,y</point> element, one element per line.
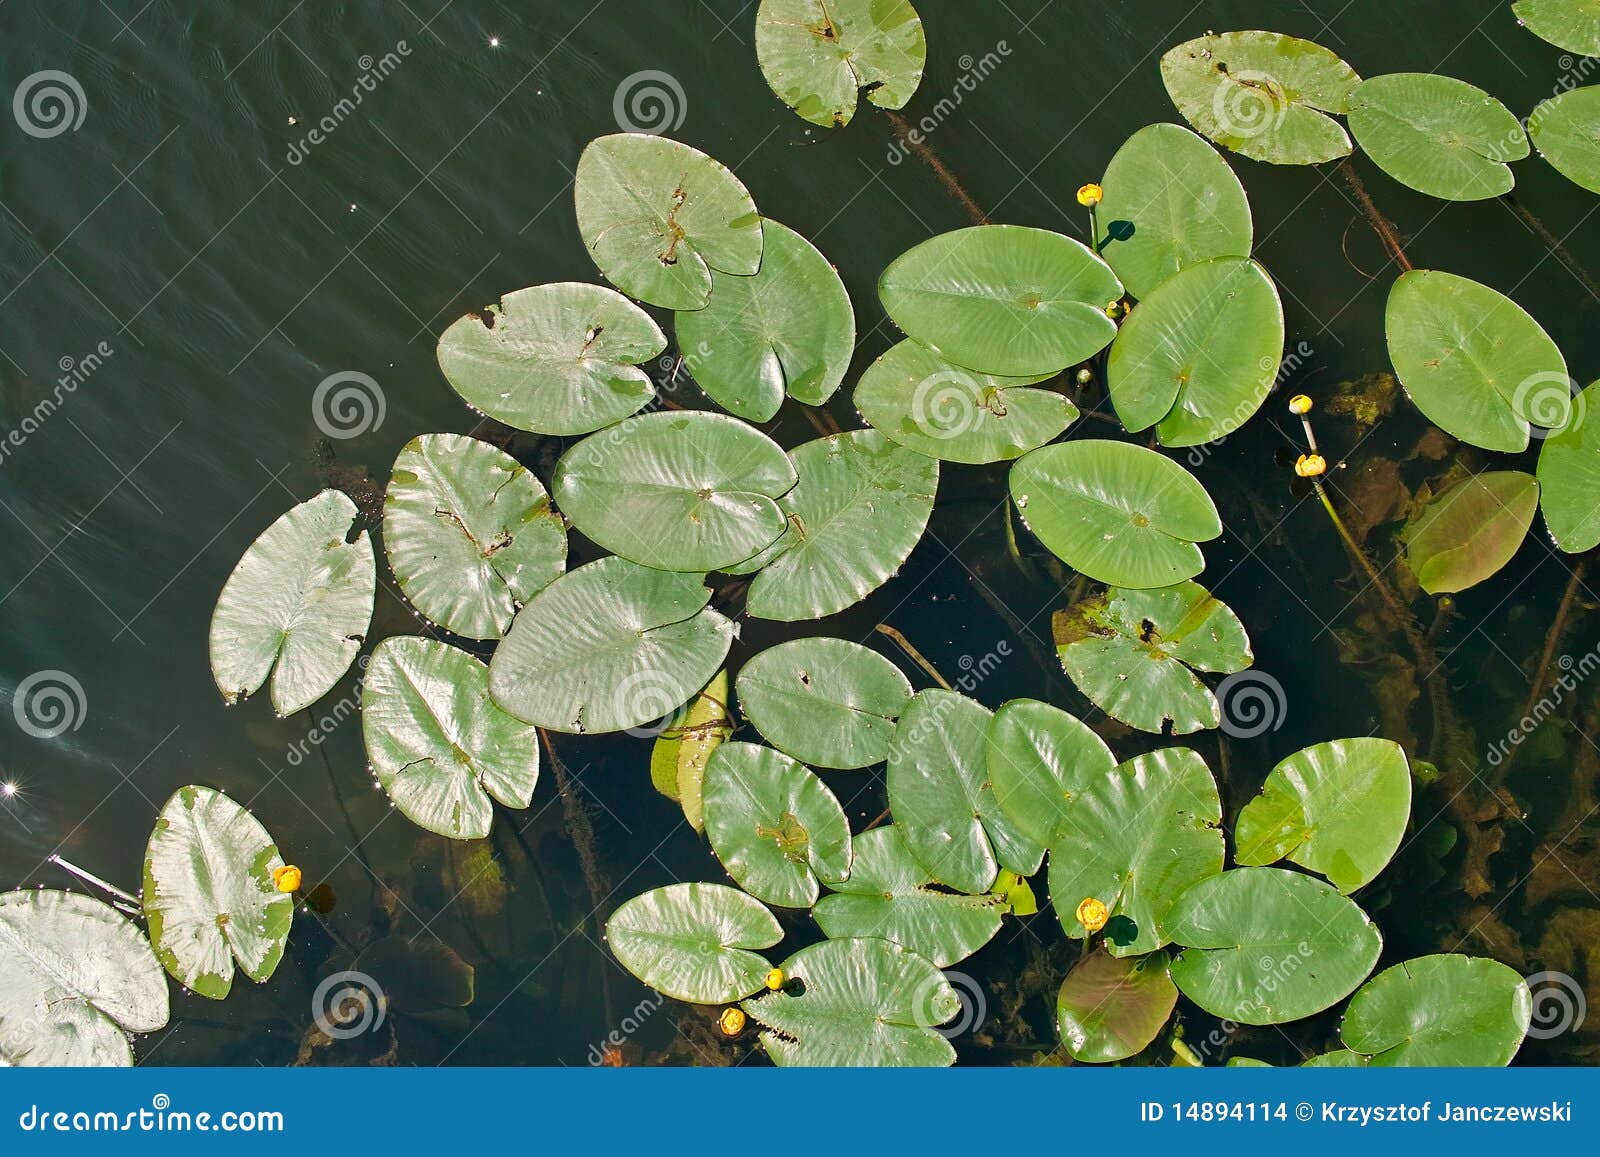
<point>930,158</point>
<point>1381,225</point>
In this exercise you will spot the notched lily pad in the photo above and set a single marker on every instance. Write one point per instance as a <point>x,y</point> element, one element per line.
<point>1446,1010</point>
<point>1110,1008</point>
<point>815,54</point>
<point>827,702</point>
<point>694,942</point>
<point>1467,532</point>
<point>1438,135</point>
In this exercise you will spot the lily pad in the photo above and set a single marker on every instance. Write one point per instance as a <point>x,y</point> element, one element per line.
<point>1169,202</point>
<point>209,896</point>
<point>1437,135</point>
<point>926,404</point>
<point>857,1003</point>
<point>1339,809</point>
<point>553,359</point>
<point>774,825</point>
<point>1468,532</point>
<point>1566,131</point>
<point>677,490</point>
<point>693,941</point>
<point>1003,299</point>
<point>608,646</point>
<point>1136,839</point>
<point>439,745</point>
<point>1039,757</point>
<point>1570,24</point>
<point>815,54</point>
<point>1199,355</point>
<point>1110,1008</point>
<point>1119,513</point>
<point>658,216</point>
<point>1473,361</point>
<point>1439,1011</point>
<point>1267,945</point>
<point>678,759</point>
<point>857,513</point>
<point>826,702</point>
<point>787,330</point>
<point>1262,94</point>
<point>297,606</point>
<point>938,784</point>
<point>1569,477</point>
<point>75,979</point>
<point>890,895</point>
<point>470,533</point>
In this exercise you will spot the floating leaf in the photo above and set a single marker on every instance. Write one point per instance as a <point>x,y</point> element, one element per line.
<point>1003,299</point>
<point>857,1003</point>
<point>1131,654</point>
<point>1169,202</point>
<point>1439,1011</point>
<point>815,54</point>
<point>774,825</point>
<point>1199,355</point>
<point>787,330</point>
<point>890,895</point>
<point>1467,533</point>
<point>1336,1059</point>
<point>1136,839</point>
<point>1119,513</point>
<point>1473,361</point>
<point>1570,24</point>
<point>1110,1008</point>
<point>692,941</point>
<point>1039,758</point>
<point>1339,809</point>
<point>938,784</point>
<point>1437,135</point>
<point>470,534</point>
<point>857,513</point>
<point>677,490</point>
<point>608,646</point>
<point>1569,477</point>
<point>827,702</point>
<point>926,404</point>
<point>658,216</point>
<point>75,978</point>
<point>678,759</point>
<point>1267,945</point>
<point>1566,131</point>
<point>209,895</point>
<point>296,606</point>
<point>438,743</point>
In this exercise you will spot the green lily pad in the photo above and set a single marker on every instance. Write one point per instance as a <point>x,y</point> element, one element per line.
<point>1437,135</point>
<point>1110,1008</point>
<point>1267,945</point>
<point>677,490</point>
<point>1566,131</point>
<point>857,1003</point>
<point>1136,839</point>
<point>1335,1059</point>
<point>469,533</point>
<point>438,743</point>
<point>1473,361</point>
<point>553,359</point>
<point>75,979</point>
<point>1262,94</point>
<point>889,895</point>
<point>1339,809</point>
<point>1469,531</point>
<point>1439,1011</point>
<point>658,216</point>
<point>1119,513</point>
<point>826,702</point>
<point>1169,202</point>
<point>1570,24</point>
<point>774,825</point>
<point>1134,654</point>
<point>609,646</point>
<point>296,606</point>
<point>1003,299</point>
<point>857,513</point>
<point>693,941</point>
<point>1199,355</point>
<point>1039,758</point>
<point>678,759</point>
<point>815,54</point>
<point>926,404</point>
<point>209,896</point>
<point>938,784</point>
<point>1569,477</point>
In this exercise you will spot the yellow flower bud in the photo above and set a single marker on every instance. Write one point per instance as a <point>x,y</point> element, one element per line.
<point>775,979</point>
<point>1300,404</point>
<point>1090,195</point>
<point>1310,466</point>
<point>731,1022</point>
<point>1092,914</point>
<point>286,878</point>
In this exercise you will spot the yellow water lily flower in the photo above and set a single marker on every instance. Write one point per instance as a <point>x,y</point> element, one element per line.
<point>1311,466</point>
<point>1300,404</point>
<point>731,1022</point>
<point>775,979</point>
<point>286,878</point>
<point>1090,195</point>
<point>1092,914</point>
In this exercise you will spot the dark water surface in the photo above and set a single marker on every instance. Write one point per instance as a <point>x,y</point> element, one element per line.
<point>196,271</point>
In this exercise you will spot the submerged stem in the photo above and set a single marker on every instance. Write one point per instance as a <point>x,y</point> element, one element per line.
<point>916,655</point>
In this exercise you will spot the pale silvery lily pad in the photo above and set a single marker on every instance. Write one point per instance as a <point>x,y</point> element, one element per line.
<point>815,54</point>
